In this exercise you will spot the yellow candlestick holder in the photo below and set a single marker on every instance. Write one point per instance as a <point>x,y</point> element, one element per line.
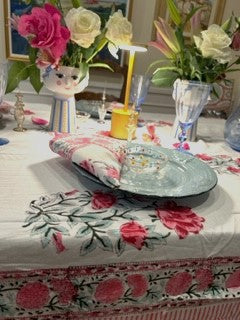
<point>120,117</point>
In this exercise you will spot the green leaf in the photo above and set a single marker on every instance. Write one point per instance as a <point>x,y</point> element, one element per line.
<point>35,78</point>
<point>53,2</point>
<point>226,26</point>
<point>191,14</point>
<point>100,65</point>
<point>32,54</point>
<point>174,12</point>
<point>84,68</point>
<point>76,3</point>
<point>165,77</point>
<point>180,38</point>
<point>18,71</point>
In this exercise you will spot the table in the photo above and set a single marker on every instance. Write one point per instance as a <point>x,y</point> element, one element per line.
<point>73,249</point>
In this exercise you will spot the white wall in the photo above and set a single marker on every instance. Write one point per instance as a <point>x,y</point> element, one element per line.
<point>142,18</point>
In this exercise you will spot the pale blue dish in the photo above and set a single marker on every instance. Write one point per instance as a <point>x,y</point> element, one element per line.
<point>182,176</point>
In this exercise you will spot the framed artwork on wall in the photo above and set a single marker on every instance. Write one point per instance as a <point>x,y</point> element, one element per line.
<point>212,11</point>
<point>17,46</point>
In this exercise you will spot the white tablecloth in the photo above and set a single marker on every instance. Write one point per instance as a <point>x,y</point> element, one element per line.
<point>32,177</point>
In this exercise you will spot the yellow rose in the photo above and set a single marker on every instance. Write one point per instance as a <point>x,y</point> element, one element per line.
<point>84,26</point>
<point>215,43</point>
<point>119,29</point>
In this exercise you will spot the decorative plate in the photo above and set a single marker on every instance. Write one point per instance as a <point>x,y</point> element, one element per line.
<point>183,175</point>
<point>91,107</point>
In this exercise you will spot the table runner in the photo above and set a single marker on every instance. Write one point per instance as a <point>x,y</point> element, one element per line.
<point>136,238</point>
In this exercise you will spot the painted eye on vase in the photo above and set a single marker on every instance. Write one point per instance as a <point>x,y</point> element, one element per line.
<point>74,77</point>
<point>59,75</point>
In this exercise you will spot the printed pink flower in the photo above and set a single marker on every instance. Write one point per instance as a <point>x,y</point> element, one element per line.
<point>33,295</point>
<point>113,173</point>
<point>105,133</point>
<point>109,291</point>
<point>178,284</point>
<point>237,161</point>
<point>181,219</point>
<point>185,145</point>
<point>87,165</point>
<point>102,200</point>
<point>204,278</point>
<point>204,157</point>
<point>28,112</point>
<point>134,234</point>
<point>233,169</point>
<point>44,31</point>
<point>165,123</point>
<point>233,281</point>
<point>138,283</point>
<point>65,289</point>
<point>72,192</point>
<point>57,240</point>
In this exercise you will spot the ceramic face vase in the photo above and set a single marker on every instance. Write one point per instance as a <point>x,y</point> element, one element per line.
<point>64,82</point>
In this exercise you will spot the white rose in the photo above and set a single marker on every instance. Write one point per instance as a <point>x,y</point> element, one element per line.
<point>119,29</point>
<point>84,26</point>
<point>215,44</point>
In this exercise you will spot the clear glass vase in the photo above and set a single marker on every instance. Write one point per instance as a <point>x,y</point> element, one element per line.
<point>232,130</point>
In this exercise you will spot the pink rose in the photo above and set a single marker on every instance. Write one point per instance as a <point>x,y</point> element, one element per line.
<point>102,200</point>
<point>181,219</point>
<point>204,157</point>
<point>43,29</point>
<point>33,295</point>
<point>204,278</point>
<point>233,169</point>
<point>134,234</point>
<point>138,283</point>
<point>113,173</point>
<point>109,291</point>
<point>87,165</point>
<point>235,45</point>
<point>178,284</point>
<point>65,289</point>
<point>233,281</point>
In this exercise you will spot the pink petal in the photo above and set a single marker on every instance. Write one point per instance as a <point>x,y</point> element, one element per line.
<point>28,112</point>
<point>39,121</point>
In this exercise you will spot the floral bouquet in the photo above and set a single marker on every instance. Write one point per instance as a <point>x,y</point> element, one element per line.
<point>206,56</point>
<point>72,39</point>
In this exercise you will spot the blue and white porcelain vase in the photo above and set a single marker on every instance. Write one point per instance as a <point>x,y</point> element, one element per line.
<point>64,82</point>
<point>232,130</point>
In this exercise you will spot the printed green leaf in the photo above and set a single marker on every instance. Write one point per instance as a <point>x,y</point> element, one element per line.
<point>174,12</point>
<point>35,78</point>
<point>88,246</point>
<point>119,246</point>
<point>18,71</point>
<point>83,231</point>
<point>105,243</point>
